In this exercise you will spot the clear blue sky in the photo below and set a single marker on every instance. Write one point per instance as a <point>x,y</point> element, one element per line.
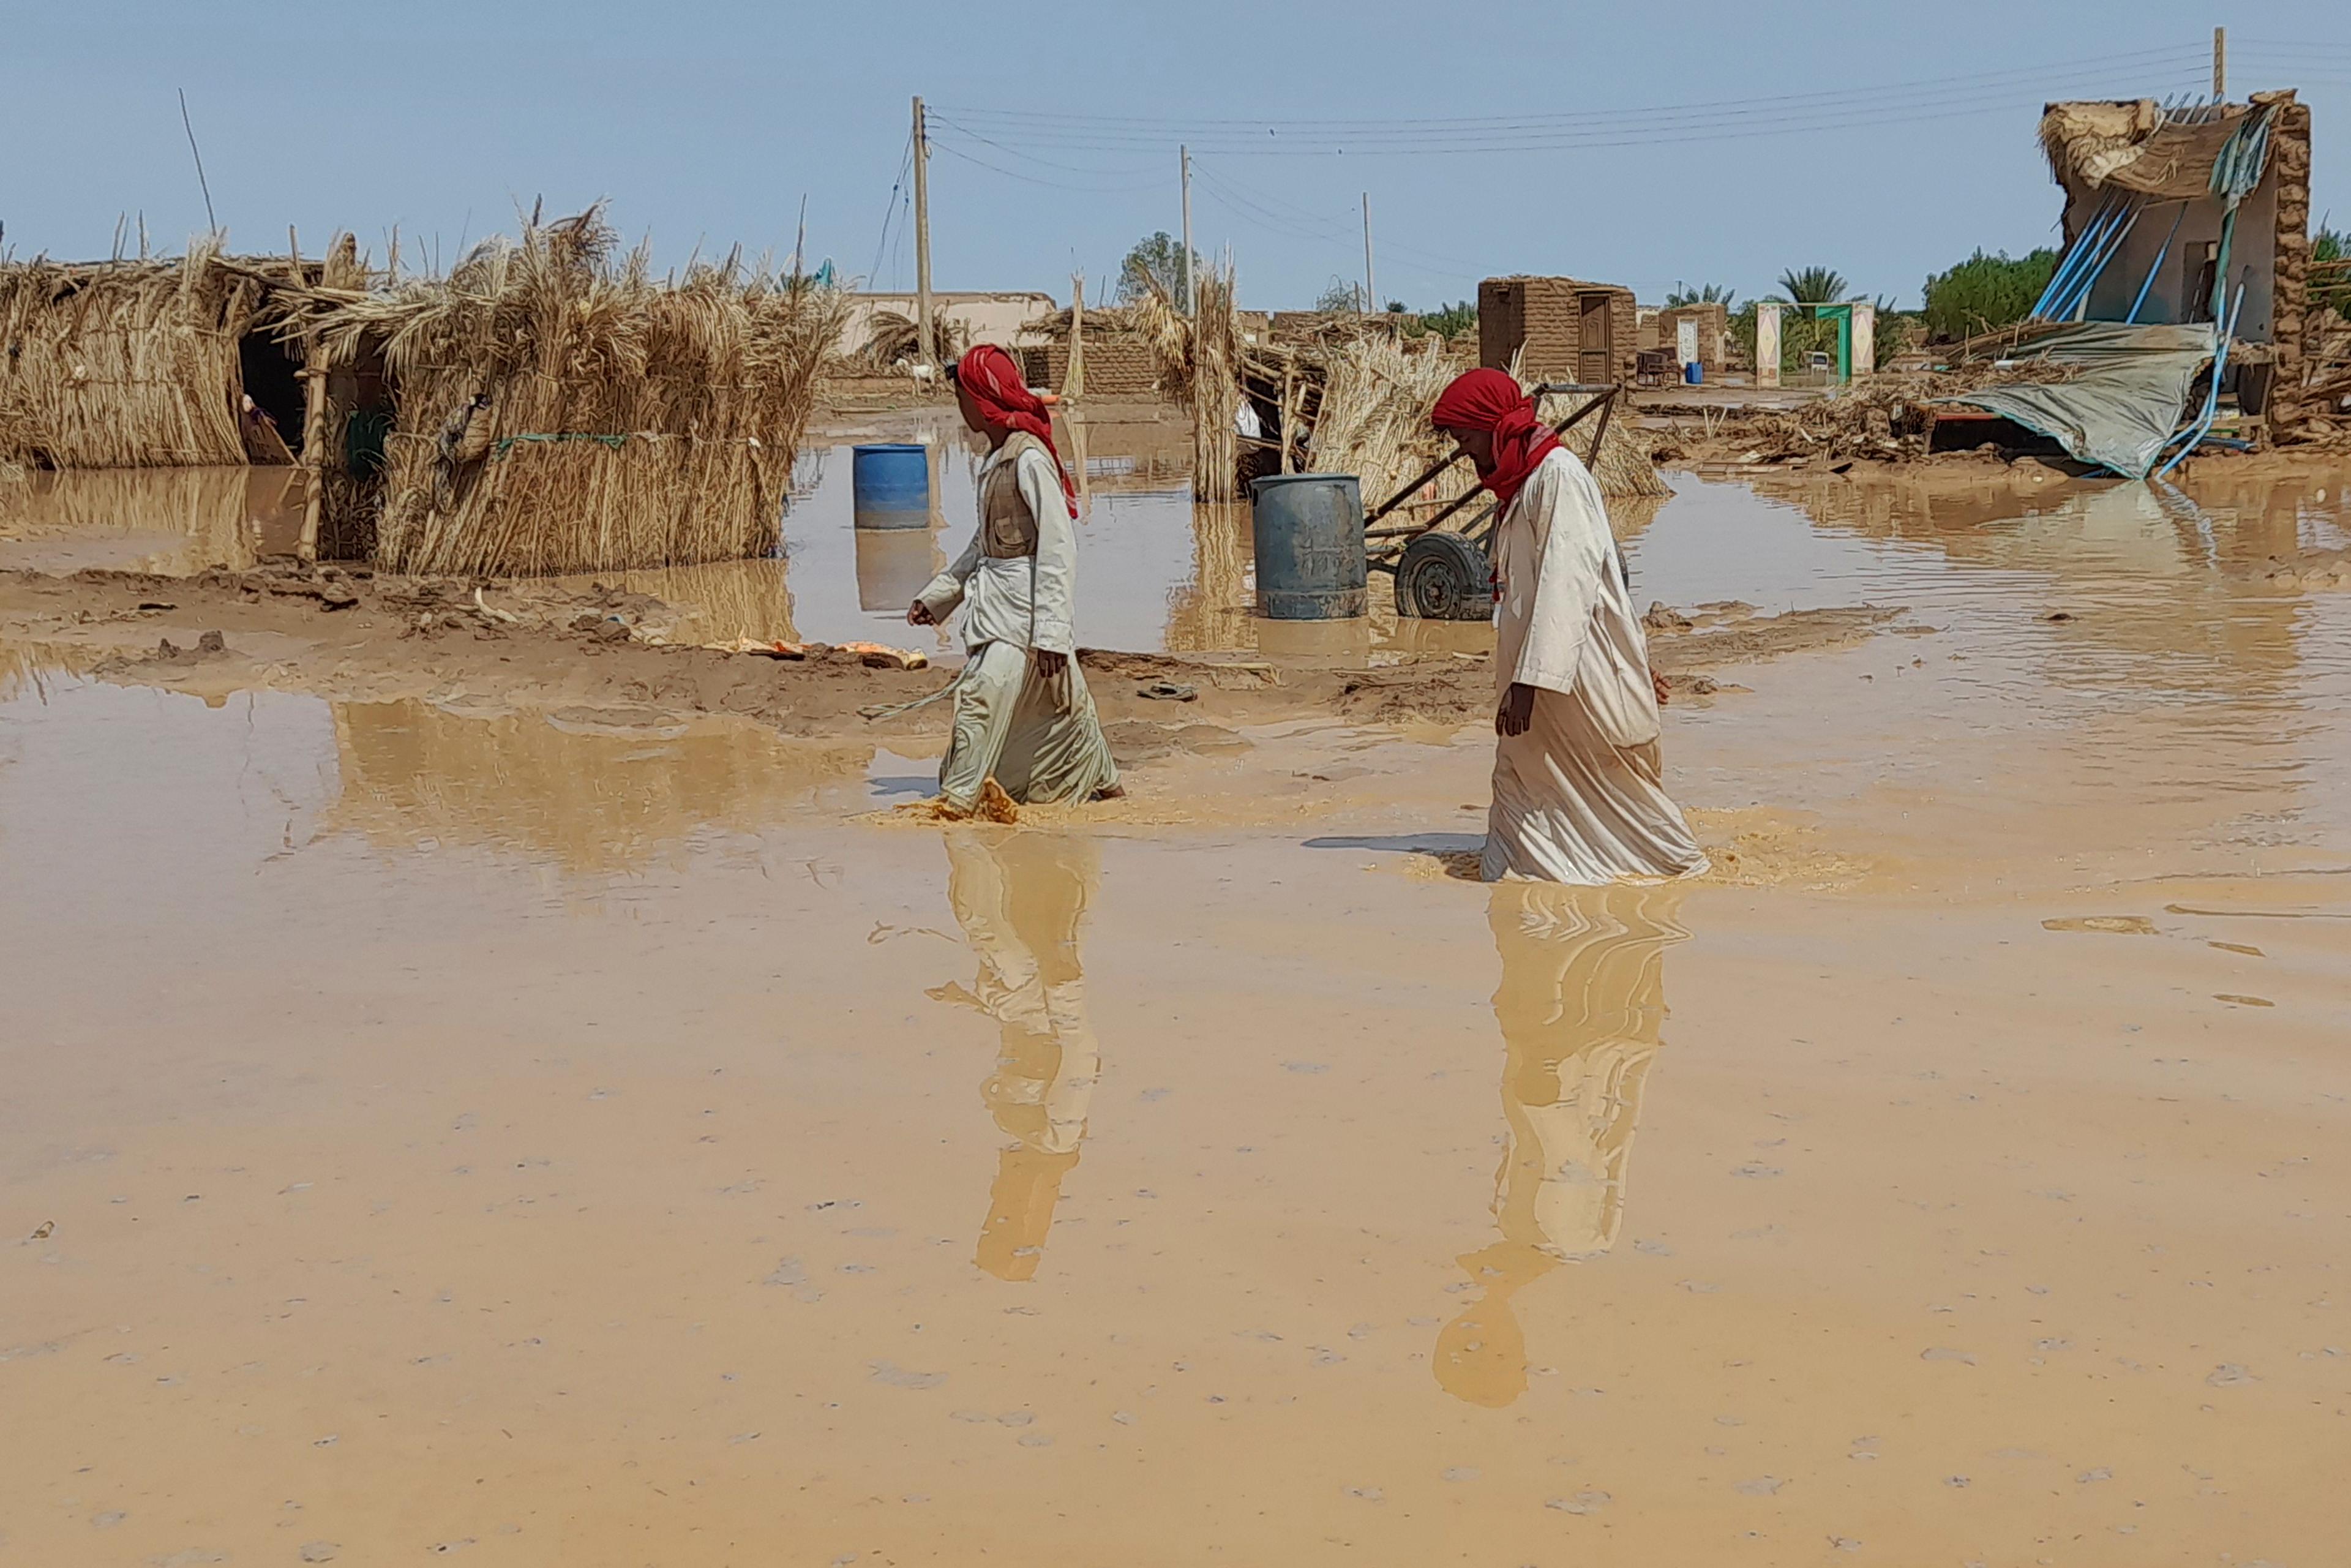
<point>707,121</point>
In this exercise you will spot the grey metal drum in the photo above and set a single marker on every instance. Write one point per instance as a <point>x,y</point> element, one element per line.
<point>1309,529</point>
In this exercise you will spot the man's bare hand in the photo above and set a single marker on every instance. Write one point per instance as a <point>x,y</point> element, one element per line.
<point>1051,664</point>
<point>1657,684</point>
<point>919,614</point>
<point>1518,710</point>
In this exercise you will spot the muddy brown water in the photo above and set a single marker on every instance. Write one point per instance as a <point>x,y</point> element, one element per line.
<point>587,1141</point>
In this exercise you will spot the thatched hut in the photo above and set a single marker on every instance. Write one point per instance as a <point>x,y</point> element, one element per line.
<point>551,406</point>
<point>146,362</point>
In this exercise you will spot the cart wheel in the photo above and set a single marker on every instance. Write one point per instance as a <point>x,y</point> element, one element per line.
<point>1444,577</point>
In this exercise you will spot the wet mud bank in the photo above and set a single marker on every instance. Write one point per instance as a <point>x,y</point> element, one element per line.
<point>535,647</point>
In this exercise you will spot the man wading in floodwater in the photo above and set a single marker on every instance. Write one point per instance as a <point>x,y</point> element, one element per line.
<point>1578,791</point>
<point>1022,714</point>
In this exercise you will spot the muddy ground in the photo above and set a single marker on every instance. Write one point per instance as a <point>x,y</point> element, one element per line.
<point>482,1084</point>
<point>357,636</point>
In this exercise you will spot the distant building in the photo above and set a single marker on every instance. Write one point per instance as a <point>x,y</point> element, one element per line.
<point>966,317</point>
<point>1561,329</point>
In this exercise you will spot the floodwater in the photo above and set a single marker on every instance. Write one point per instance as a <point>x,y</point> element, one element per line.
<point>175,521</point>
<point>1156,573</point>
<point>588,1143</point>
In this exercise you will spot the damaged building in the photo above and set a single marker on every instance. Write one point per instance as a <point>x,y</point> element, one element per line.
<point>2178,308</point>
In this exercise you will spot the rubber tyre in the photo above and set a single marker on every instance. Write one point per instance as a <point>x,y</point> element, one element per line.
<point>1444,577</point>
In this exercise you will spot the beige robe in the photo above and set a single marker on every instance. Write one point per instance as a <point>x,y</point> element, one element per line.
<point>1037,738</point>
<point>1020,899</point>
<point>1579,797</point>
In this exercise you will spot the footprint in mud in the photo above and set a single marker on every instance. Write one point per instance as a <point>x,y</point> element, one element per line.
<point>2112,924</point>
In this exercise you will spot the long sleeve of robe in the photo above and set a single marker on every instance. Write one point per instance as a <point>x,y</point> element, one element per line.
<point>1025,600</point>
<point>1578,798</point>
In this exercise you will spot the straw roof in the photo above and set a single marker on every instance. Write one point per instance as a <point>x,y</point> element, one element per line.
<point>2139,145</point>
<point>130,362</point>
<point>558,408</point>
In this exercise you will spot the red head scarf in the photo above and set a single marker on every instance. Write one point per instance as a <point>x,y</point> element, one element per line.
<point>1490,400</point>
<point>1005,403</point>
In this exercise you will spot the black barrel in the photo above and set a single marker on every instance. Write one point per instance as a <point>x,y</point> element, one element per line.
<point>1309,529</point>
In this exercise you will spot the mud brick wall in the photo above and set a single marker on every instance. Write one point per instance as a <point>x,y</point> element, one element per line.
<point>1115,367</point>
<point>1713,327</point>
<point>1544,316</point>
<point>2290,292</point>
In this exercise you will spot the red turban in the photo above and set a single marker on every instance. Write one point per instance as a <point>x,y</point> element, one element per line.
<point>1490,400</point>
<point>1005,403</point>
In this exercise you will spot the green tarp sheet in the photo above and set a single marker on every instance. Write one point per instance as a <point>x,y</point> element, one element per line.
<point>2124,405</point>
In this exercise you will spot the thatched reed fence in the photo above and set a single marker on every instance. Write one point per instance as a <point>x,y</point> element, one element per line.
<point>550,406</point>
<point>129,364</point>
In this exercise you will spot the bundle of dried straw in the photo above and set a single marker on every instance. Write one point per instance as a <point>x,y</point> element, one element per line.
<point>128,363</point>
<point>632,421</point>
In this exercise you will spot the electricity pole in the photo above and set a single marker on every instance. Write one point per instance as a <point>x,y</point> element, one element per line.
<point>926,343</point>
<point>1371,290</point>
<point>2219,65</point>
<point>1183,262</point>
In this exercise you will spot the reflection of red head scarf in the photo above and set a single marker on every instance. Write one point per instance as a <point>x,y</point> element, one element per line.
<point>1490,400</point>
<point>1005,403</point>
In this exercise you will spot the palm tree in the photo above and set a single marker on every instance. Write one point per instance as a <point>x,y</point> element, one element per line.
<point>1682,294</point>
<point>1813,286</point>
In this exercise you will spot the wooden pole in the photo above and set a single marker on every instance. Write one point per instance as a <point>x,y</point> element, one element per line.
<point>1288,433</point>
<point>1371,290</point>
<point>1073,387</point>
<point>926,339</point>
<point>1183,261</point>
<point>2219,65</point>
<point>314,423</point>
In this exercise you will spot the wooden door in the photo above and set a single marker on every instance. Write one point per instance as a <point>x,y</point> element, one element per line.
<point>1597,338</point>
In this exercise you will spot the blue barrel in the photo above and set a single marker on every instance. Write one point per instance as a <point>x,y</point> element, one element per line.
<point>1310,546</point>
<point>1694,373</point>
<point>892,481</point>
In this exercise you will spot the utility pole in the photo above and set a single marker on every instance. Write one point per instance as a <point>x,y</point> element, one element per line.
<point>2219,65</point>
<point>1371,290</point>
<point>1183,262</point>
<point>927,342</point>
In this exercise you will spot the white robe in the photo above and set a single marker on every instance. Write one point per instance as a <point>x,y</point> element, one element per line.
<point>1579,797</point>
<point>1040,739</point>
<point>1025,600</point>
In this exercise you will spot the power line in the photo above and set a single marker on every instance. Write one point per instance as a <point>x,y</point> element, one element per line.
<point>1892,104</point>
<point>936,118</point>
<point>2025,74</point>
<point>951,150</point>
<point>881,241</point>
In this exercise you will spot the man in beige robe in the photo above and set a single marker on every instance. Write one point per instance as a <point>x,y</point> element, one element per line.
<point>1579,792</point>
<point>1022,714</point>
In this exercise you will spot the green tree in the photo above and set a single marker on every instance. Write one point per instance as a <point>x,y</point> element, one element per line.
<point>1338,294</point>
<point>1157,258</point>
<point>2332,290</point>
<point>1682,294</point>
<point>1986,291</point>
<point>1813,286</point>
<point>1451,320</point>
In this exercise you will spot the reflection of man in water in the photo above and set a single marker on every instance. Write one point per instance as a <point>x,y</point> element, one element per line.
<point>1581,996</point>
<point>1019,897</point>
